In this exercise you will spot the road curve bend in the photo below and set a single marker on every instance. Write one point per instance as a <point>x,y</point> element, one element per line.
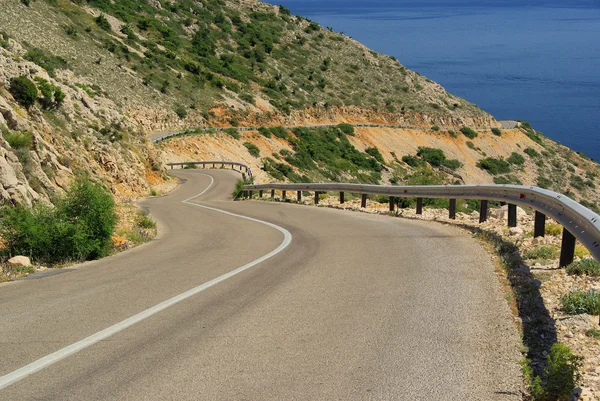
<point>308,303</point>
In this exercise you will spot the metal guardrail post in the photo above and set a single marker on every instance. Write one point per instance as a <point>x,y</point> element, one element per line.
<point>250,194</point>
<point>392,203</point>
<point>260,193</point>
<point>283,194</point>
<point>316,197</point>
<point>363,201</point>
<point>272,193</point>
<point>419,205</point>
<point>512,215</point>
<point>567,250</point>
<point>483,211</point>
<point>539,229</point>
<point>243,176</point>
<point>342,198</point>
<point>452,209</point>
<point>245,194</point>
<point>299,196</point>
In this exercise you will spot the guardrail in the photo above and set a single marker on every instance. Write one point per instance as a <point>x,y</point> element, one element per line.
<point>221,164</point>
<point>220,129</point>
<point>578,221</point>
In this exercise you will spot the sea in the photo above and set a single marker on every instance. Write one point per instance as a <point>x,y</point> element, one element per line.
<point>537,61</point>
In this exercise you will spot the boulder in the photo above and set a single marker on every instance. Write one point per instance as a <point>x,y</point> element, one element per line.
<point>502,213</point>
<point>19,261</point>
<point>515,231</point>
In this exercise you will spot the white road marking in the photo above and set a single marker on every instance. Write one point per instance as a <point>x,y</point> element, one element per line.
<point>51,359</point>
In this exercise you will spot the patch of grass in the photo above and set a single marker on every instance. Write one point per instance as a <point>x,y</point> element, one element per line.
<point>543,182</point>
<point>47,61</point>
<point>144,221</point>
<point>587,267</point>
<point>531,152</point>
<point>594,333</point>
<point>542,252</point>
<point>553,229</point>
<point>252,148</point>
<point>581,302</point>
<point>18,140</point>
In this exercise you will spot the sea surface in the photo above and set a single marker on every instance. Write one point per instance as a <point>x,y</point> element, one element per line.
<point>537,61</point>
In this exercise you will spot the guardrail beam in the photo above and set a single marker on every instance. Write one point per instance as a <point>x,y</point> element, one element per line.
<point>419,205</point>
<point>363,201</point>
<point>452,209</point>
<point>483,211</point>
<point>567,250</point>
<point>512,215</point>
<point>539,229</point>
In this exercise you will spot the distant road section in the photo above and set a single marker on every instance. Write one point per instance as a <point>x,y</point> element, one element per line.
<point>508,124</point>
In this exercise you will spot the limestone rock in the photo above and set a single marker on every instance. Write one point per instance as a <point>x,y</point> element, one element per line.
<point>502,213</point>
<point>19,261</point>
<point>515,231</point>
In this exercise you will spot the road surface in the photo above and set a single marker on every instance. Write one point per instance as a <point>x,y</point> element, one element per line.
<point>349,306</point>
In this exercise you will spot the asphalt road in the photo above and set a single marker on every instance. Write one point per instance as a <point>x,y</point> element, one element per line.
<point>356,306</point>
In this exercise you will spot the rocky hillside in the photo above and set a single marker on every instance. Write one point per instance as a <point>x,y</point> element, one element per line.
<point>70,130</point>
<point>192,63</point>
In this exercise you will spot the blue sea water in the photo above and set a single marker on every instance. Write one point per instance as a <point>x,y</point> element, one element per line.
<point>534,60</point>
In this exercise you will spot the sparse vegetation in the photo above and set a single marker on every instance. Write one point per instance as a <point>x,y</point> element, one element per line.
<point>541,252</point>
<point>531,152</point>
<point>579,302</point>
<point>494,166</point>
<point>584,267</point>
<point>252,148</point>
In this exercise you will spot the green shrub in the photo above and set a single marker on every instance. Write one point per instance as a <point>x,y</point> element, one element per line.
<point>452,133</point>
<point>412,161</point>
<point>144,221</point>
<point>53,96</point>
<point>18,140</point>
<point>181,111</point>
<point>239,188</point>
<point>252,148</point>
<point>471,145</point>
<point>279,132</point>
<point>468,132</point>
<point>102,22</point>
<point>507,179</point>
<point>78,228</point>
<point>494,166</point>
<point>580,302</point>
<point>541,252</point>
<point>433,156</point>
<point>560,377</point>
<point>587,267</point>
<point>264,132</point>
<point>531,152</point>
<point>346,129</point>
<point>232,132</point>
<point>435,128</point>
<point>24,91</point>
<point>374,152</point>
<point>496,131</point>
<point>516,159</point>
<point>543,182</point>
<point>452,164</point>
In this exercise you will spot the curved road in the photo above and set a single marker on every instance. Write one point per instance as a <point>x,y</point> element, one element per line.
<point>355,307</point>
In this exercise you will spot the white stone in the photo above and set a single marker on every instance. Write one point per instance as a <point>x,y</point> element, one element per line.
<point>19,261</point>
<point>502,213</point>
<point>515,231</point>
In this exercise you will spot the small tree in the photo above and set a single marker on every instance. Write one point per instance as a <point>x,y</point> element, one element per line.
<point>24,91</point>
<point>102,22</point>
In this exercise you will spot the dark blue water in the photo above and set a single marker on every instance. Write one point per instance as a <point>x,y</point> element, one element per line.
<point>537,61</point>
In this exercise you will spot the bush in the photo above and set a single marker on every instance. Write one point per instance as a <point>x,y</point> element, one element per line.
<point>279,132</point>
<point>561,375</point>
<point>471,145</point>
<point>78,228</point>
<point>542,252</point>
<point>553,229</point>
<point>346,129</point>
<point>47,61</point>
<point>264,132</point>
<point>531,152</point>
<point>494,166</point>
<point>587,267</point>
<point>468,132</point>
<point>144,221</point>
<point>232,132</point>
<point>102,22</point>
<point>252,148</point>
<point>239,188</point>
<point>452,133</point>
<point>412,161</point>
<point>18,140</point>
<point>496,131</point>
<point>580,302</point>
<point>433,156</point>
<point>452,164</point>
<point>435,128</point>
<point>181,111</point>
<point>516,159</point>
<point>543,182</point>
<point>24,91</point>
<point>374,152</point>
